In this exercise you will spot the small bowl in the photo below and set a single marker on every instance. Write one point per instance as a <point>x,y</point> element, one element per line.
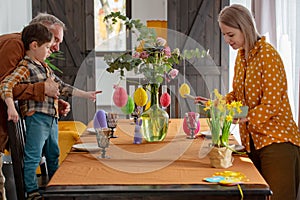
<point>243,114</point>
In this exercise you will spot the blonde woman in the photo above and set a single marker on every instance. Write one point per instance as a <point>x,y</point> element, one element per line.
<point>269,133</point>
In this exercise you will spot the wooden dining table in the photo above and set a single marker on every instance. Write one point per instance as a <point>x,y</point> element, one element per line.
<point>171,169</point>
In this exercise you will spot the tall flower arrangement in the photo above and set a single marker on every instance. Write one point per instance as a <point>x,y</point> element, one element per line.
<point>154,59</point>
<point>151,56</point>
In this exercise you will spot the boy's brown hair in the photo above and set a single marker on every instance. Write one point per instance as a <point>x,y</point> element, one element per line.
<point>36,32</point>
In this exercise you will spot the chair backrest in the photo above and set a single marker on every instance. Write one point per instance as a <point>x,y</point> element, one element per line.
<point>16,135</point>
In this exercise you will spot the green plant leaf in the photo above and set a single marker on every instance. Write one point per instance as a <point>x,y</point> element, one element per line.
<point>58,55</point>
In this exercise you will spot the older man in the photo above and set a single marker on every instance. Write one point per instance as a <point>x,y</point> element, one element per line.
<point>11,52</point>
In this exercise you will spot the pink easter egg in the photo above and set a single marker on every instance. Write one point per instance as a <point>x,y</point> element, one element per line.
<point>186,128</point>
<point>165,100</point>
<point>120,96</point>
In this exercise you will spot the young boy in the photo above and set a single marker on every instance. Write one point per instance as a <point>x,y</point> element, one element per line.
<point>40,117</point>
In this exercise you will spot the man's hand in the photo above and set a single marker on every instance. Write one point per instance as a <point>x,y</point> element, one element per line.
<point>51,88</point>
<point>63,107</point>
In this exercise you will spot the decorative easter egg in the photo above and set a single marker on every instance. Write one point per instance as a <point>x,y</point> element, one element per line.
<point>186,128</point>
<point>120,96</point>
<point>165,100</point>
<point>140,97</point>
<point>148,105</point>
<point>184,89</point>
<point>129,107</point>
<point>100,119</point>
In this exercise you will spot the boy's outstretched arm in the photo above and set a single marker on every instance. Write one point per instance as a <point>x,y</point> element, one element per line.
<point>91,95</point>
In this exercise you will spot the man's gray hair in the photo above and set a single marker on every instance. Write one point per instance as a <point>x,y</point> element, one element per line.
<point>47,20</point>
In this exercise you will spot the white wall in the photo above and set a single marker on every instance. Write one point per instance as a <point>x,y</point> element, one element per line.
<point>149,10</point>
<point>14,15</point>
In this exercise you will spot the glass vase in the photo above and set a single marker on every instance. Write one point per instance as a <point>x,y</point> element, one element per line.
<point>155,120</point>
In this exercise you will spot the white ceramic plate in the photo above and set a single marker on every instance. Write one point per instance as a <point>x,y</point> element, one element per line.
<point>86,147</point>
<point>239,147</point>
<point>205,133</point>
<point>91,130</point>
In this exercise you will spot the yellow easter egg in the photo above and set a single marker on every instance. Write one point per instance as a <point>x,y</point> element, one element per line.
<point>148,105</point>
<point>184,89</point>
<point>140,97</point>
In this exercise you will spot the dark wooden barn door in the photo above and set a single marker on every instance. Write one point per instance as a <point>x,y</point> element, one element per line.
<point>198,20</point>
<point>78,15</point>
<point>195,18</point>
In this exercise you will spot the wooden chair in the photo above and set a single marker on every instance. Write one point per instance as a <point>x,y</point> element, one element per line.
<point>16,135</point>
<point>68,134</point>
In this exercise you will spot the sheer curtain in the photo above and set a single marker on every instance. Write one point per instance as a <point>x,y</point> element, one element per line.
<point>280,22</point>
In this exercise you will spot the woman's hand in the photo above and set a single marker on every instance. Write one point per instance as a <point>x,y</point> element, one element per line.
<point>199,99</point>
<point>239,120</point>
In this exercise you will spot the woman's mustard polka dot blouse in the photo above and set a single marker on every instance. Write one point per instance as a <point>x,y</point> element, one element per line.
<point>260,83</point>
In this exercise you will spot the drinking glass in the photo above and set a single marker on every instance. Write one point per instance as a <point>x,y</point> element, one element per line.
<point>112,119</point>
<point>192,119</point>
<point>103,136</point>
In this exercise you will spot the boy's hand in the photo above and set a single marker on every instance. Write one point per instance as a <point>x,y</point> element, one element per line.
<point>92,95</point>
<point>12,114</point>
<point>63,107</point>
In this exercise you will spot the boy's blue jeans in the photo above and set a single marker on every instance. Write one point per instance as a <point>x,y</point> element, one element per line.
<point>41,131</point>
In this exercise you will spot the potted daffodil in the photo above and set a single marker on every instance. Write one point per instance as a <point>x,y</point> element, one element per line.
<point>220,117</point>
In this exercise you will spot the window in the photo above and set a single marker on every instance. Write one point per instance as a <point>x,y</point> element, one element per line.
<point>109,38</point>
<point>116,41</point>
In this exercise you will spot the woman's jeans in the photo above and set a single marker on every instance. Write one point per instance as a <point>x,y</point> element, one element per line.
<point>41,137</point>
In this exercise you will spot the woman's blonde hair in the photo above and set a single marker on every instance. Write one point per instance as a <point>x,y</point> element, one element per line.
<point>239,17</point>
